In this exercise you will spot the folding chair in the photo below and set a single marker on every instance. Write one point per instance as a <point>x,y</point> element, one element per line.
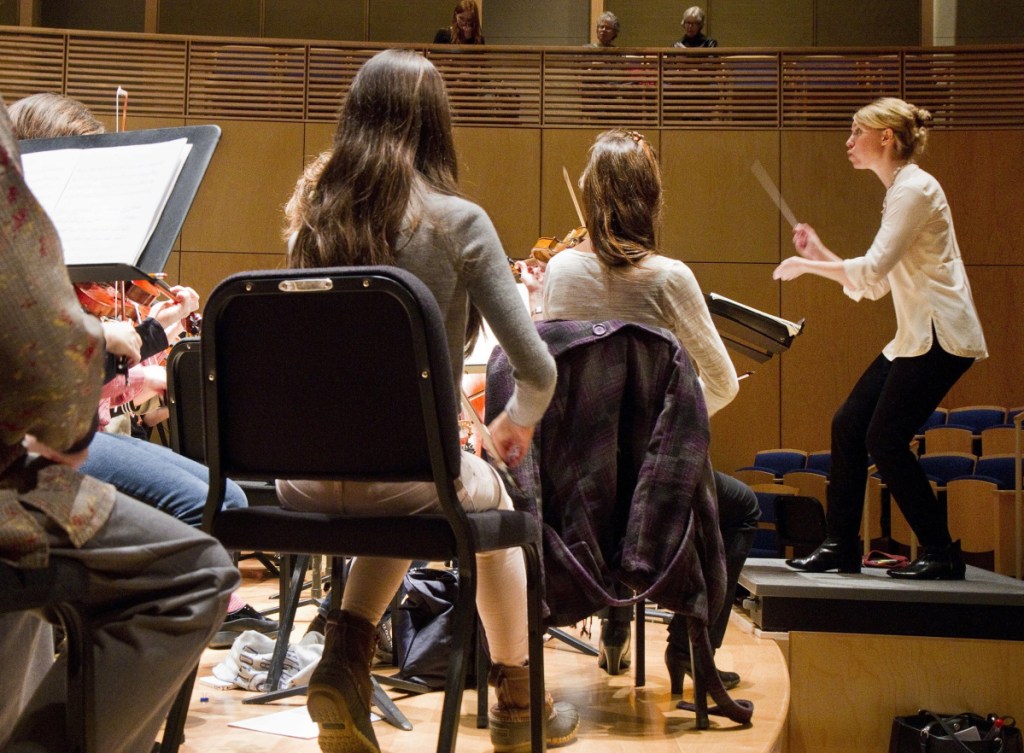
<point>55,588</point>
<point>343,373</point>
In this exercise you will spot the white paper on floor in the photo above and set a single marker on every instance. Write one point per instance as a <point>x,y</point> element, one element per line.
<point>294,722</point>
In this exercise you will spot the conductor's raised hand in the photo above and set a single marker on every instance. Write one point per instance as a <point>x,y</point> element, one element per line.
<point>511,440</point>
<point>807,243</point>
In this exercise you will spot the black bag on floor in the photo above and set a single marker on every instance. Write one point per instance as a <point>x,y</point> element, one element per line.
<point>422,626</point>
<point>925,732</point>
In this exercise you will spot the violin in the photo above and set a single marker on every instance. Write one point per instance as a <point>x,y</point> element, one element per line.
<point>547,246</point>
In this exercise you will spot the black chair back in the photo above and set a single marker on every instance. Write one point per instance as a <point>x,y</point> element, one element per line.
<point>314,355</point>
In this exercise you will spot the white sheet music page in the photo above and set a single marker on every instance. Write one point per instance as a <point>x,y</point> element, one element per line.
<point>105,202</point>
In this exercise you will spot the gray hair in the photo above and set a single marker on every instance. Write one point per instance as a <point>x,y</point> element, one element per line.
<point>694,11</point>
<point>610,18</point>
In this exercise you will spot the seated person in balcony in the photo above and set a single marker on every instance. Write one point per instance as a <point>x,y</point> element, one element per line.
<point>617,273</point>
<point>465,28</point>
<point>693,30</point>
<point>147,471</point>
<point>607,30</point>
<point>157,588</point>
<point>388,194</point>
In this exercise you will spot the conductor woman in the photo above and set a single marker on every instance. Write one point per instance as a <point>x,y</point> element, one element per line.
<point>915,257</point>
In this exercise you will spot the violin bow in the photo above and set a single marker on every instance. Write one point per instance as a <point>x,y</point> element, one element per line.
<point>572,194</point>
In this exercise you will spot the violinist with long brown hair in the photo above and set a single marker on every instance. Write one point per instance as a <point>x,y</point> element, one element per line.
<point>388,194</point>
<point>617,272</point>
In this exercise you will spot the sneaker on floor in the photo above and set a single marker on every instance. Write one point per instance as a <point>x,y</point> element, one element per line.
<point>238,622</point>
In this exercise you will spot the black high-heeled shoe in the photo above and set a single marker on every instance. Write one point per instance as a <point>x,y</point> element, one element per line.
<point>833,554</point>
<point>944,562</point>
<point>678,664</point>
<point>614,646</point>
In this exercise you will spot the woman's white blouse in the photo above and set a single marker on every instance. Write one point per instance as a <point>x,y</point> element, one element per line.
<point>915,256</point>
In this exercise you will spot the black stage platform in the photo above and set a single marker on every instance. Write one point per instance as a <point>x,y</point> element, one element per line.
<point>986,605</point>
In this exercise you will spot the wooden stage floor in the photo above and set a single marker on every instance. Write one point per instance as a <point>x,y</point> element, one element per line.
<point>615,716</point>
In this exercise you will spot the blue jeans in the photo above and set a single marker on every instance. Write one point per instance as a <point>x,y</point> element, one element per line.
<point>155,475</point>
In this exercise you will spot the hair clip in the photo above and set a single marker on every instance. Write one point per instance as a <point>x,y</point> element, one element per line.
<point>636,136</point>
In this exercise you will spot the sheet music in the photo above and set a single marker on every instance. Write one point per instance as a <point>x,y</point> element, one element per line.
<point>793,328</point>
<point>105,202</point>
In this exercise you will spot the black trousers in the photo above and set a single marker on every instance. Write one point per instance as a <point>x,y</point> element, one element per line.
<point>738,513</point>
<point>879,419</point>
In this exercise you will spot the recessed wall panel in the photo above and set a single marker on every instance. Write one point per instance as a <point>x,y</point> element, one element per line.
<point>555,22</point>
<point>412,22</point>
<point>240,205</point>
<point>871,23</point>
<point>761,23</point>
<point>224,18</point>
<point>314,19</point>
<point>105,15</point>
<point>499,168</point>
<point>714,208</point>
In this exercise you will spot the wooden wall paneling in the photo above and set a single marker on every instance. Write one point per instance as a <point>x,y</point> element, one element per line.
<point>825,89</point>
<point>751,421</point>
<point>252,81</point>
<point>568,148</point>
<point>714,208</point>
<point>319,137</point>
<point>499,168</point>
<point>239,206</point>
<point>564,22</point>
<point>840,337</point>
<point>9,15</point>
<point>760,23</point>
<point>152,71</point>
<point>402,21</point>
<point>971,89</point>
<point>203,270</point>
<point>314,19</point>
<point>999,296</point>
<point>173,270</point>
<point>225,18</point>
<point>486,87</point>
<point>868,23</point>
<point>989,22</point>
<point>108,15</point>
<point>32,63</point>
<point>702,89</point>
<point>977,170</point>
<point>593,87</point>
<point>847,705</point>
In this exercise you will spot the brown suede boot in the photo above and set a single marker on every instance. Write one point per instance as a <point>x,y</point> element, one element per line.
<point>339,689</point>
<point>509,718</point>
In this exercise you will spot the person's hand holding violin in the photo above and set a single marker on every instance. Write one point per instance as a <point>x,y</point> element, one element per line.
<point>122,340</point>
<point>170,312</point>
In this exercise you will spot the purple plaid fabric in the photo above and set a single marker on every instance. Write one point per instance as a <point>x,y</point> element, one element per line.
<point>619,472</point>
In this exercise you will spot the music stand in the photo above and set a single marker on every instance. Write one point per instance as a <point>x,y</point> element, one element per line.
<point>154,256</point>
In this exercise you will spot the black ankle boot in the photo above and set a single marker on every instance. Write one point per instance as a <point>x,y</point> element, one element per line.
<point>614,647</point>
<point>833,554</point>
<point>944,562</point>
